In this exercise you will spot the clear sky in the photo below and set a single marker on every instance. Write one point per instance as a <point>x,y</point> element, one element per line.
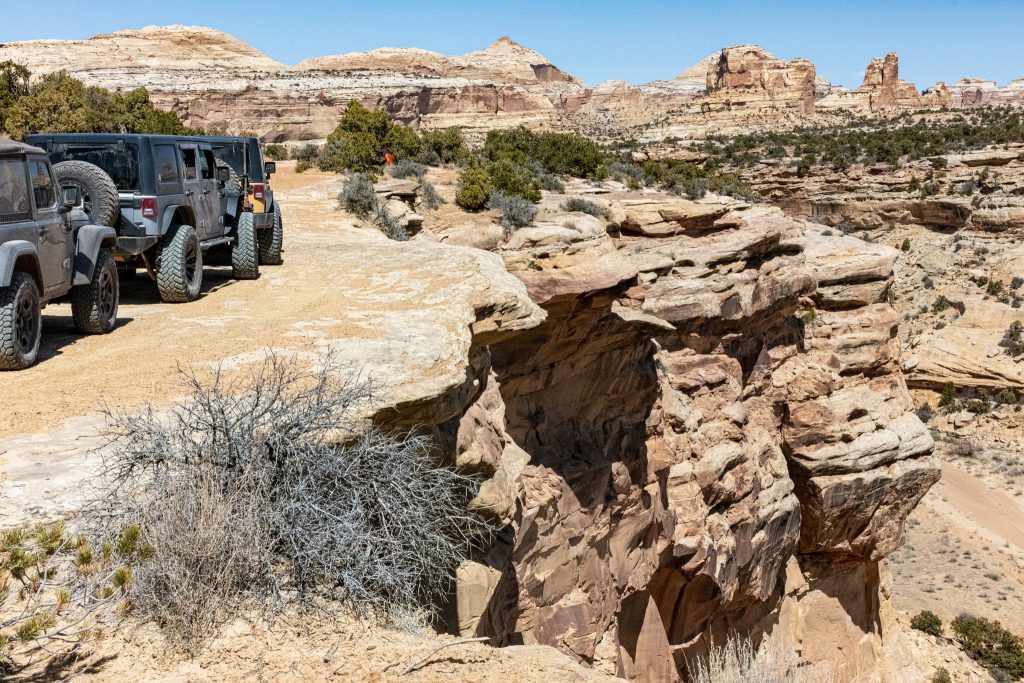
<point>630,40</point>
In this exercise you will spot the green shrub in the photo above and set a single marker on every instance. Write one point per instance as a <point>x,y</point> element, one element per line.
<point>446,143</point>
<point>360,139</point>
<point>928,622</point>
<point>474,188</point>
<point>941,304</point>
<point>59,103</point>
<point>407,168</point>
<point>995,287</point>
<point>925,412</point>
<point>276,152</point>
<point>906,244</point>
<point>514,179</point>
<point>1013,339</point>
<point>948,397</point>
<point>941,675</point>
<point>991,645</point>
<point>928,282</point>
<point>357,195</point>
<point>1016,282</point>
<point>516,212</point>
<point>564,153</point>
<point>1006,397</point>
<point>580,205</point>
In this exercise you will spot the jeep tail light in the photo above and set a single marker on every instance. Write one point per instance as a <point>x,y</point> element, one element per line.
<point>257,191</point>
<point>149,207</point>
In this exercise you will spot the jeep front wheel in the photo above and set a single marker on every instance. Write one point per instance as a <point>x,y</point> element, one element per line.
<point>94,306</point>
<point>179,265</point>
<point>272,240</point>
<point>245,263</point>
<point>21,323</point>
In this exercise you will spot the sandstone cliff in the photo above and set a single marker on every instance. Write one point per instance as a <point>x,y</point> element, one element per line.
<point>215,81</point>
<point>708,435</point>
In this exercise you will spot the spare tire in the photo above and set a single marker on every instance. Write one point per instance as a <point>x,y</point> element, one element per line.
<point>99,193</point>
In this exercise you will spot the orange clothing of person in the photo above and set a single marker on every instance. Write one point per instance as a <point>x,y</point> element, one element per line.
<point>389,159</point>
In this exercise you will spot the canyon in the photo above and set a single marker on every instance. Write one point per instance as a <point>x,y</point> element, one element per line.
<point>688,417</point>
<point>219,83</point>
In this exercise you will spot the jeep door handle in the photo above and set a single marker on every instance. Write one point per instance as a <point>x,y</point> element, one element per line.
<point>206,192</point>
<point>189,193</point>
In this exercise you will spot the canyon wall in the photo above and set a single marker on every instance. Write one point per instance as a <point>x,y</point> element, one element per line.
<point>708,435</point>
<point>217,82</point>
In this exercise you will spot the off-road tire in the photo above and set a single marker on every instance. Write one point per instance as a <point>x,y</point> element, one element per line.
<point>94,306</point>
<point>99,193</point>
<point>179,265</point>
<point>21,323</point>
<point>245,264</point>
<point>271,241</point>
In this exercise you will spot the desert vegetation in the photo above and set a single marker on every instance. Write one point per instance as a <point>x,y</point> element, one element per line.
<point>262,492</point>
<point>58,103</point>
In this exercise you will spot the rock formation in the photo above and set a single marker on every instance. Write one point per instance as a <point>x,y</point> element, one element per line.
<point>708,435</point>
<point>215,81</point>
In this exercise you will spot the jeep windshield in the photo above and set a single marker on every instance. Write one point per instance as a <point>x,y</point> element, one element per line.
<point>118,159</point>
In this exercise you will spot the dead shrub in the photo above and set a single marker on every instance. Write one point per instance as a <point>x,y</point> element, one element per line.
<point>266,490</point>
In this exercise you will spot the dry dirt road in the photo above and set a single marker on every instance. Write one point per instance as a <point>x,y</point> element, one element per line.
<point>964,550</point>
<point>401,312</point>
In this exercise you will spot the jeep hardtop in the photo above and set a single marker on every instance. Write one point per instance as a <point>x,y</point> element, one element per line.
<point>170,203</point>
<point>48,252</point>
<point>250,176</point>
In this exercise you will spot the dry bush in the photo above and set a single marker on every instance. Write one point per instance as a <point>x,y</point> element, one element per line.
<point>266,490</point>
<point>739,662</point>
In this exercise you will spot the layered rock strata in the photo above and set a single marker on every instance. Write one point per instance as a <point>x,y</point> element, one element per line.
<point>700,440</point>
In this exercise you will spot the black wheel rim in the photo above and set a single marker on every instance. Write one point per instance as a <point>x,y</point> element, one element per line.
<point>108,296</point>
<point>191,256</point>
<point>27,323</point>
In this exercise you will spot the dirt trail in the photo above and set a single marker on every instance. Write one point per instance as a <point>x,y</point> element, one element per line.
<point>139,361</point>
<point>964,551</point>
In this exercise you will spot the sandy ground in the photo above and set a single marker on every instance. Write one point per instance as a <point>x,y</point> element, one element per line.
<point>964,549</point>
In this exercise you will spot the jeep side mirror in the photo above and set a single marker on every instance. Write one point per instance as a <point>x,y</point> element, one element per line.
<point>269,167</point>
<point>72,195</point>
<point>223,174</point>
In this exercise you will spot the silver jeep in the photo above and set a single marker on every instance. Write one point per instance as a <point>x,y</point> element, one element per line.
<point>48,252</point>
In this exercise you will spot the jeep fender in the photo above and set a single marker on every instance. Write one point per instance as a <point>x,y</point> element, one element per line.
<point>167,220</point>
<point>10,252</point>
<point>89,240</point>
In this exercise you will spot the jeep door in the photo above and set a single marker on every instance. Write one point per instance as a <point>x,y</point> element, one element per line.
<point>16,222</point>
<point>213,195</point>
<point>56,249</point>
<point>196,191</point>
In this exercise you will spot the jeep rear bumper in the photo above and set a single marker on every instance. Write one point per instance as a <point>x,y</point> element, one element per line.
<point>133,246</point>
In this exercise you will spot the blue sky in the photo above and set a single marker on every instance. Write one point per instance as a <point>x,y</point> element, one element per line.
<point>633,40</point>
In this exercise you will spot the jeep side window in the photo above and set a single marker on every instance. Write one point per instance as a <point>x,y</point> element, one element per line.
<point>188,156</point>
<point>208,164</point>
<point>42,186</point>
<point>14,202</point>
<point>166,162</point>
